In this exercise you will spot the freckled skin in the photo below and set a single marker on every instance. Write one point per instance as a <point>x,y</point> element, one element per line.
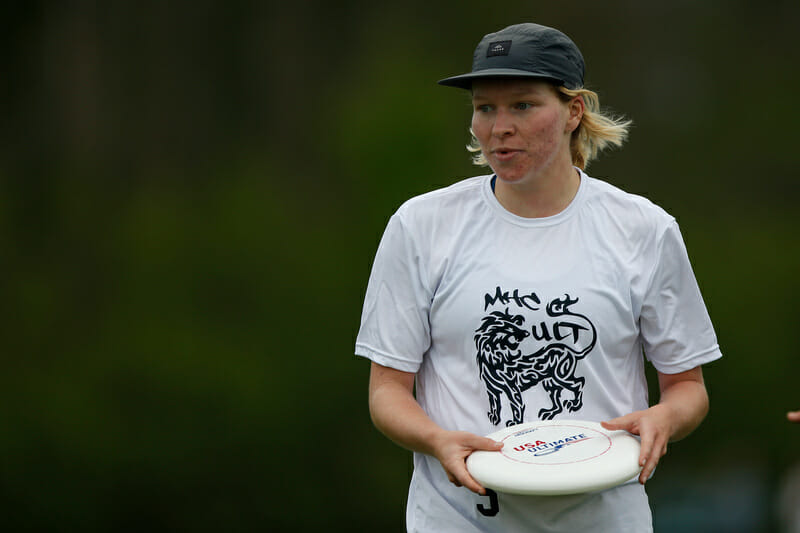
<point>524,131</point>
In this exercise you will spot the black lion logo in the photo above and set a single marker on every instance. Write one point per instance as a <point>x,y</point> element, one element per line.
<point>505,369</point>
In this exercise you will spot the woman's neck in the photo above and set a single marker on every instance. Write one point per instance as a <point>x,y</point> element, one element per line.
<point>543,198</point>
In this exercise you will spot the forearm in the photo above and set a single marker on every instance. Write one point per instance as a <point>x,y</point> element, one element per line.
<point>396,413</point>
<point>687,403</point>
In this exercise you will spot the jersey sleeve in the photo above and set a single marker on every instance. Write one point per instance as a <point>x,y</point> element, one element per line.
<point>676,329</point>
<point>395,327</point>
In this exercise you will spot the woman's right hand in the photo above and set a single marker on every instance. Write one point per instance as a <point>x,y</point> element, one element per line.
<point>452,448</point>
<point>396,413</point>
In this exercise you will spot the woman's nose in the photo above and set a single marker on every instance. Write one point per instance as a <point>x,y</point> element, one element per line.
<point>503,124</point>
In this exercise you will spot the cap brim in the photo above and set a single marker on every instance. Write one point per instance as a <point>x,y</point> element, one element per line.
<point>464,81</point>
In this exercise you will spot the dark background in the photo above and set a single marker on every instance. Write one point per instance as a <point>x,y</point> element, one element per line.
<point>191,195</point>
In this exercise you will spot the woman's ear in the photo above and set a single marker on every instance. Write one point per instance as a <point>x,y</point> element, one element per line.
<point>576,108</point>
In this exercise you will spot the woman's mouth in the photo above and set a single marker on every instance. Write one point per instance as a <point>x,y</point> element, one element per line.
<point>504,154</point>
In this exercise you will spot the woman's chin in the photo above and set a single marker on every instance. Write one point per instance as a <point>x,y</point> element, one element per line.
<point>509,178</point>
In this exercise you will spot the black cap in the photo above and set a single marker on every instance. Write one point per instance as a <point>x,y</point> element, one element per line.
<point>525,51</point>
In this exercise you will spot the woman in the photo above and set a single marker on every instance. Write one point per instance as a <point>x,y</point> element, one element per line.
<point>472,285</point>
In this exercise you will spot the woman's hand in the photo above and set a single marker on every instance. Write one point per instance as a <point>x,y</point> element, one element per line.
<point>452,448</point>
<point>655,429</point>
<point>681,408</point>
<point>396,413</point>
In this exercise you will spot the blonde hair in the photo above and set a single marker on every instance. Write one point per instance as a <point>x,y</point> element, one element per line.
<point>597,130</point>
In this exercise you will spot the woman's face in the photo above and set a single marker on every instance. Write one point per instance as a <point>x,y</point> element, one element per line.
<point>523,128</point>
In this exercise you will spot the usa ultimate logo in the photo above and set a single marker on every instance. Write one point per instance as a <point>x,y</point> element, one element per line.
<point>555,339</point>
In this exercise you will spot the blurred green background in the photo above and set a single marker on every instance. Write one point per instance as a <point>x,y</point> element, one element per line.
<point>191,195</point>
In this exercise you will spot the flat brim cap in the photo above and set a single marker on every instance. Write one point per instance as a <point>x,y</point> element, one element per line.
<point>525,51</point>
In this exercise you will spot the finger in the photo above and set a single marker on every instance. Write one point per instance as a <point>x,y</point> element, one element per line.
<point>452,479</point>
<point>647,469</point>
<point>459,469</point>
<point>646,447</point>
<point>460,476</point>
<point>470,483</point>
<point>794,416</point>
<point>486,444</point>
<point>626,422</point>
<point>652,462</point>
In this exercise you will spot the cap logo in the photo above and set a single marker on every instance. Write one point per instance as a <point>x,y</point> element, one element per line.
<point>498,48</point>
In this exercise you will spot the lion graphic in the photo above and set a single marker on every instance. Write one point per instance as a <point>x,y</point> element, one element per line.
<point>505,369</point>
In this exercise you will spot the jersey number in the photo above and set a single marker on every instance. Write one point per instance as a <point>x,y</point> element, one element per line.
<point>494,504</point>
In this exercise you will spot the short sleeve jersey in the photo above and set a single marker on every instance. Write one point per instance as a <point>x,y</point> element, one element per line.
<point>507,320</point>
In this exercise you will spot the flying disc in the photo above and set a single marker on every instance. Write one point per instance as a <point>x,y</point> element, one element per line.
<point>556,457</point>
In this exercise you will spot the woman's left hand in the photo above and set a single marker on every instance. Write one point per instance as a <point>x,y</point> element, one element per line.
<point>655,429</point>
<point>681,408</point>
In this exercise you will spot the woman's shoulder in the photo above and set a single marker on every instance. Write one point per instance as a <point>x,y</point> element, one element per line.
<point>442,202</point>
<point>623,205</point>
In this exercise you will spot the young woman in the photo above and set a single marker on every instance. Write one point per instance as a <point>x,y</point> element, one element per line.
<point>533,292</point>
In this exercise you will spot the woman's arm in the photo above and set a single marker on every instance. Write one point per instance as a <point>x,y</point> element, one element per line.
<point>681,408</point>
<point>396,413</point>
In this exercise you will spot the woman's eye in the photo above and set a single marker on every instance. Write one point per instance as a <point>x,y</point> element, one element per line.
<point>484,108</point>
<point>524,106</point>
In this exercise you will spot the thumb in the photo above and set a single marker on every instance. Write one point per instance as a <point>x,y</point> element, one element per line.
<point>622,422</point>
<point>486,444</point>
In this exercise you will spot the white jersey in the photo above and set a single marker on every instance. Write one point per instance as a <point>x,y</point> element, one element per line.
<point>507,320</point>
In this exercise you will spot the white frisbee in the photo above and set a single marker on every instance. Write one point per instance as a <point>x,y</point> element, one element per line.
<point>557,457</point>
